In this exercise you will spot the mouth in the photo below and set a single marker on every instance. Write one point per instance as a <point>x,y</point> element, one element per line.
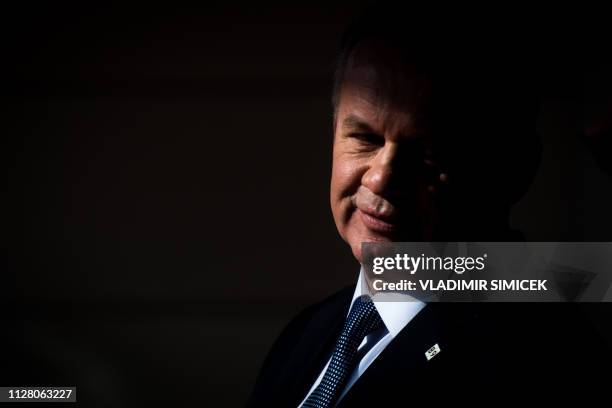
<point>376,223</point>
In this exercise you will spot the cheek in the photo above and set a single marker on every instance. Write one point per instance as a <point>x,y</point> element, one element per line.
<point>345,180</point>
<point>346,175</point>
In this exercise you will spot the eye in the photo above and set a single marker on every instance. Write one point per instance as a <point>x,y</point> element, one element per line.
<point>368,139</point>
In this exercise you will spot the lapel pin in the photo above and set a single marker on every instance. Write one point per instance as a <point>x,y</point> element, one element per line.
<point>435,349</point>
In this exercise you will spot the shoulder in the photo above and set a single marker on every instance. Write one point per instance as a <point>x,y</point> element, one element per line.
<point>536,339</point>
<point>317,314</point>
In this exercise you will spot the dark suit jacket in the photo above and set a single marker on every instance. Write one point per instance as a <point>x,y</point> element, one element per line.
<point>502,350</point>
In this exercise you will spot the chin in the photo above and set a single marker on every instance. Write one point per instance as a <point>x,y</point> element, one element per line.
<point>354,233</point>
<point>356,240</point>
<point>356,249</point>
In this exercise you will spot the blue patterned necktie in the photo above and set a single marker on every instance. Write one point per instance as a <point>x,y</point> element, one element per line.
<point>362,320</point>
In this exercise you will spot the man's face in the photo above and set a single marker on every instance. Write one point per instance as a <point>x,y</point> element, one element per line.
<point>384,177</point>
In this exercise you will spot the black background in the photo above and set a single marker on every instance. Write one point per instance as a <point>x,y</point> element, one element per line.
<point>167,191</point>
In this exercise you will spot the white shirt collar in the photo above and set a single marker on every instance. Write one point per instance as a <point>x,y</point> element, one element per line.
<point>395,315</point>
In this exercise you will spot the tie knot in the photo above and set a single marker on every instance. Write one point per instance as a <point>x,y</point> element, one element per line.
<point>363,318</point>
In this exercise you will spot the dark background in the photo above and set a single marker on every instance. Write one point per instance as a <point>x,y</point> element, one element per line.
<point>167,192</point>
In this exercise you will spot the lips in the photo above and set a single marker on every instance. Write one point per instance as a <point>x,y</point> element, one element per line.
<point>375,223</point>
<point>374,205</point>
<point>376,213</point>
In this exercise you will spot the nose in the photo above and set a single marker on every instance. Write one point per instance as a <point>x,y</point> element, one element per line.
<point>380,175</point>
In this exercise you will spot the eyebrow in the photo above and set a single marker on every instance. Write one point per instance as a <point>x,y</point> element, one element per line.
<point>354,123</point>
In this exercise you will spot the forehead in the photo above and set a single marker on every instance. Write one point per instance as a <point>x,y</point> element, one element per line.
<point>383,88</point>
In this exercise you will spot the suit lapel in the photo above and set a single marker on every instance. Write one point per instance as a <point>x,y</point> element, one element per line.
<point>316,345</point>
